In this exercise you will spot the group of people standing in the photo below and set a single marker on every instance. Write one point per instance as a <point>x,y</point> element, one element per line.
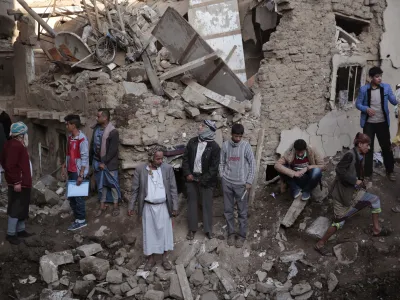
<point>155,195</point>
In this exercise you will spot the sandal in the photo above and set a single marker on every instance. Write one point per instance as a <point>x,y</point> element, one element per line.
<point>190,235</point>
<point>99,212</point>
<point>396,209</point>
<point>384,232</point>
<point>115,212</point>
<point>324,251</point>
<point>149,265</point>
<point>166,265</point>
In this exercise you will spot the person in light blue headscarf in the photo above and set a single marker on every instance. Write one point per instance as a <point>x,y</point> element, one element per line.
<point>200,168</point>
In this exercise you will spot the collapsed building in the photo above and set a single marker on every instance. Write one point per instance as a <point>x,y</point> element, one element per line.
<point>284,69</point>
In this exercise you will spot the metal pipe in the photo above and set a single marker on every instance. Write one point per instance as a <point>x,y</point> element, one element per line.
<point>37,18</point>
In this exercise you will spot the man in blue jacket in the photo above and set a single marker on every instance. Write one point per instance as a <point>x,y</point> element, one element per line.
<point>373,101</point>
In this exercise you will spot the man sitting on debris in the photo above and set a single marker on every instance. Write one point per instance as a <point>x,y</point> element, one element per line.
<point>301,168</point>
<point>77,166</point>
<point>104,158</point>
<point>237,169</point>
<point>372,101</point>
<point>349,192</point>
<point>154,189</point>
<point>200,168</point>
<point>18,174</point>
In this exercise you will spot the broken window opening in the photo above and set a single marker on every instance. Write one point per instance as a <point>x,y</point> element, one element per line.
<point>253,53</point>
<point>347,86</point>
<point>351,25</point>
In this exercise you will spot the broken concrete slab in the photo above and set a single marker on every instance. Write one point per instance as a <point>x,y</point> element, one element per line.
<point>319,227</point>
<point>185,287</point>
<point>265,287</point>
<point>212,244</point>
<point>130,137</point>
<point>206,259</point>
<point>114,276</point>
<point>48,294</point>
<point>261,275</point>
<point>293,255</point>
<point>267,265</point>
<point>197,277</point>
<point>135,71</point>
<point>256,106</point>
<point>331,144</point>
<point>293,212</point>
<point>304,296</point>
<point>226,279</point>
<point>49,264</point>
<point>176,113</point>
<point>328,124</point>
<point>94,265</point>
<point>193,97</point>
<point>316,143</point>
<point>346,253</point>
<point>312,129</point>
<point>88,250</point>
<point>175,291</point>
<point>134,88</point>
<point>209,296</point>
<point>187,253</point>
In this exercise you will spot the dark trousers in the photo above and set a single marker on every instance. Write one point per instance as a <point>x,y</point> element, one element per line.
<point>77,204</point>
<point>381,130</point>
<point>196,193</point>
<point>306,183</point>
<point>234,193</point>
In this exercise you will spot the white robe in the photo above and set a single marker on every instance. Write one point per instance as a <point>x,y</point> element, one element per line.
<point>157,223</point>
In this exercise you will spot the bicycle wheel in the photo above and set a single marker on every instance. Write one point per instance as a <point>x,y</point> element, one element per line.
<point>105,50</point>
<point>120,37</point>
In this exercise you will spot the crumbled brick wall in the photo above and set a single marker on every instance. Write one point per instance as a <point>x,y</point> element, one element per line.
<point>295,76</point>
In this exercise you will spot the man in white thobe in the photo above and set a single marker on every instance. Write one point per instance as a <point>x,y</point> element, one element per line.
<point>155,192</point>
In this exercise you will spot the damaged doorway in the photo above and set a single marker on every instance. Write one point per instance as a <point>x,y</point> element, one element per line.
<point>257,26</point>
<point>347,86</point>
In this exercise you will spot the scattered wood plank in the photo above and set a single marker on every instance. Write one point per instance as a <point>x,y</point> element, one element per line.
<point>187,293</point>
<point>235,106</point>
<point>293,212</point>
<point>189,66</point>
<point>260,147</point>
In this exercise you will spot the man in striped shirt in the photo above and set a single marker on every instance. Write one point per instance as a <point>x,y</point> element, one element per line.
<point>237,168</point>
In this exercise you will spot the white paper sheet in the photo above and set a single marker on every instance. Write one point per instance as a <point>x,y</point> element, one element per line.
<point>77,191</point>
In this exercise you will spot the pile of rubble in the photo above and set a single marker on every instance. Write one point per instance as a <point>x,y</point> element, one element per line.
<point>203,270</point>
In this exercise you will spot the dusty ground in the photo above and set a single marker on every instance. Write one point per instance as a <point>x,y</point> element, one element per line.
<point>374,275</point>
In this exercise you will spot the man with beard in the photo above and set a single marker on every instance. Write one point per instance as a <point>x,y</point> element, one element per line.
<point>156,195</point>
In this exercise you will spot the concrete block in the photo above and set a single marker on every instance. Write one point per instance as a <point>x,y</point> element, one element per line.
<point>125,287</point>
<point>134,291</point>
<point>300,289</point>
<point>49,264</point>
<point>150,135</point>
<point>319,227</point>
<point>192,111</point>
<point>265,287</point>
<point>134,88</point>
<point>136,71</point>
<point>131,137</point>
<point>206,259</point>
<point>176,113</point>
<point>197,277</point>
<point>312,129</point>
<point>293,255</point>
<point>175,290</point>
<point>96,266</point>
<point>88,250</point>
<point>154,295</point>
<point>193,97</point>
<point>256,106</point>
<point>83,288</point>
<point>89,277</point>
<point>209,296</point>
<point>346,253</point>
<point>114,276</point>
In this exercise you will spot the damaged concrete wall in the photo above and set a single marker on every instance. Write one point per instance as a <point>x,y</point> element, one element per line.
<point>296,75</point>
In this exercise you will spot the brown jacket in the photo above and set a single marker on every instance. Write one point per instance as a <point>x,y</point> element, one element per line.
<point>283,164</point>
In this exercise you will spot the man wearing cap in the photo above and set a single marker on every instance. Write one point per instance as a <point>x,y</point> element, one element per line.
<point>372,101</point>
<point>156,196</point>
<point>200,169</point>
<point>18,174</point>
<point>77,166</point>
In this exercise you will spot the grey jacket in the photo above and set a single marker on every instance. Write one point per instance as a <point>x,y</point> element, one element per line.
<point>348,171</point>
<point>140,184</point>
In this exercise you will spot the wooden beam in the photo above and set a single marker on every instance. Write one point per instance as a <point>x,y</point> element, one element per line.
<point>235,106</point>
<point>352,18</point>
<point>293,212</point>
<point>187,293</point>
<point>189,66</point>
<point>260,147</point>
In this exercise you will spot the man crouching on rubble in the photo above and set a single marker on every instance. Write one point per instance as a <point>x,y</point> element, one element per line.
<point>18,173</point>
<point>154,189</point>
<point>301,168</point>
<point>77,166</point>
<point>349,192</point>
